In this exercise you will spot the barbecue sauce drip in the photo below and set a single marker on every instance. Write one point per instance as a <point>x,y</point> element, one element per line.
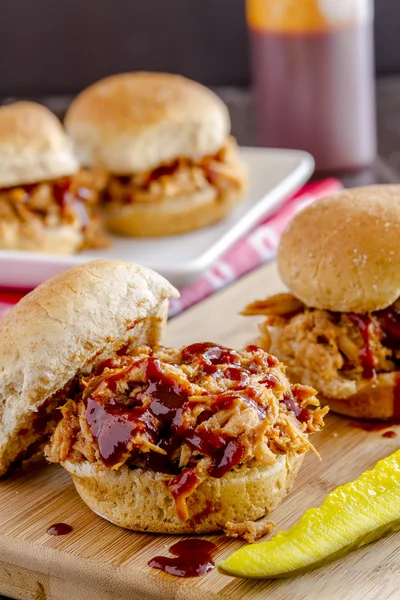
<point>389,321</point>
<point>59,529</point>
<point>192,558</point>
<point>389,434</point>
<point>62,192</point>
<point>364,322</point>
<point>183,484</point>
<point>210,355</point>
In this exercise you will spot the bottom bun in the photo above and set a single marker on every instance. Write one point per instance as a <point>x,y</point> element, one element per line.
<point>377,399</point>
<point>34,237</point>
<point>139,500</point>
<point>171,217</point>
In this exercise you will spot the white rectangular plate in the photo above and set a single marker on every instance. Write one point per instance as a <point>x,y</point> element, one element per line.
<point>274,175</point>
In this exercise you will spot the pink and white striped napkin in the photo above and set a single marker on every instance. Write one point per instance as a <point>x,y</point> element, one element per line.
<point>247,254</point>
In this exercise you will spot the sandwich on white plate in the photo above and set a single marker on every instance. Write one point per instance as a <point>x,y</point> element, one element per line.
<point>164,142</point>
<point>47,204</point>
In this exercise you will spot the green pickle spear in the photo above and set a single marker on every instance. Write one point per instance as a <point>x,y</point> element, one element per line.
<point>351,516</point>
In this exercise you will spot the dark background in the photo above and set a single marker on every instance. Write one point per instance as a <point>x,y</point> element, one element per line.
<point>60,46</point>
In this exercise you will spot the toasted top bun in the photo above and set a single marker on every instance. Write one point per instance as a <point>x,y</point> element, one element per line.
<point>33,145</point>
<point>67,326</point>
<point>136,121</point>
<point>342,252</point>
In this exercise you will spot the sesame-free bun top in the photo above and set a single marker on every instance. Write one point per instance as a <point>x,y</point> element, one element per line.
<point>134,122</point>
<point>342,253</point>
<point>66,327</point>
<point>33,145</point>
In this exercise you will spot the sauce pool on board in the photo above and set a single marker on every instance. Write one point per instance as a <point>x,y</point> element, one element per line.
<point>59,529</point>
<point>192,558</point>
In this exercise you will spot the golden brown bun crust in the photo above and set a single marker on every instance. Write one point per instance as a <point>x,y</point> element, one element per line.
<point>171,217</point>
<point>375,399</point>
<point>133,122</point>
<point>33,145</point>
<point>139,500</point>
<point>68,325</point>
<point>342,253</point>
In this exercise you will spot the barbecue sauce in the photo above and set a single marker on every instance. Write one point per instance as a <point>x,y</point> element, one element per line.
<point>364,323</point>
<point>183,484</point>
<point>389,321</point>
<point>374,425</point>
<point>113,427</point>
<point>228,457</point>
<point>269,359</point>
<point>301,414</point>
<point>59,529</point>
<point>62,192</point>
<point>192,558</point>
<point>270,381</point>
<point>210,355</point>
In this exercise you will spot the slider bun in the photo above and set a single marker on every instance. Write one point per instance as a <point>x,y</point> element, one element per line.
<point>171,217</point>
<point>373,399</point>
<point>138,499</point>
<point>342,253</point>
<point>35,237</point>
<point>134,122</point>
<point>66,327</point>
<point>33,145</point>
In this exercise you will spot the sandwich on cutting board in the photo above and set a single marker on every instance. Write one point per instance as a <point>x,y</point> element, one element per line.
<point>338,329</point>
<point>157,439</point>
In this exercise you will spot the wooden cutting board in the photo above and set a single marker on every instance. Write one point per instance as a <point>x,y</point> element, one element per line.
<point>99,561</point>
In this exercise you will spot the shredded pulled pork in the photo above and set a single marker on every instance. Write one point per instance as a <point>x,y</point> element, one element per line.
<point>66,201</point>
<point>336,346</point>
<point>191,413</point>
<point>180,178</point>
<point>250,531</point>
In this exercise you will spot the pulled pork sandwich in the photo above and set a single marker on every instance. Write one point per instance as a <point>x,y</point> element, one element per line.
<point>186,441</point>
<point>60,333</point>
<point>164,143</point>
<point>339,328</point>
<point>46,204</point>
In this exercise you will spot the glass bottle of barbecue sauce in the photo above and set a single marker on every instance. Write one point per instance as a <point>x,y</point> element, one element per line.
<point>313,71</point>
